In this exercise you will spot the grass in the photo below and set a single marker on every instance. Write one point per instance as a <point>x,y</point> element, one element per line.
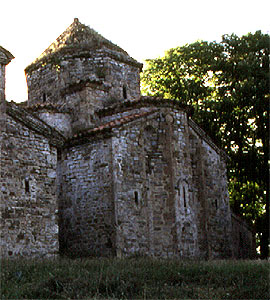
<point>136,278</point>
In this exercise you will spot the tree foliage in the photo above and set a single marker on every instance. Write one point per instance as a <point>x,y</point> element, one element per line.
<point>227,83</point>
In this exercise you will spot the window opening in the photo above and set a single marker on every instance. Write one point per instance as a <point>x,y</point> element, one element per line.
<point>27,185</point>
<point>44,97</point>
<point>59,155</point>
<point>136,197</point>
<point>184,196</point>
<point>216,204</point>
<point>125,92</point>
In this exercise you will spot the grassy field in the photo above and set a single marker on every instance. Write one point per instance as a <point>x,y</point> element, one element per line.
<point>139,278</point>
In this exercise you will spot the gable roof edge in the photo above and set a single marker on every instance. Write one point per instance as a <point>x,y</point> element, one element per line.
<point>54,137</point>
<point>202,134</point>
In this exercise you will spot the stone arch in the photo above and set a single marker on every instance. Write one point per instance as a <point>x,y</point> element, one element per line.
<point>182,192</point>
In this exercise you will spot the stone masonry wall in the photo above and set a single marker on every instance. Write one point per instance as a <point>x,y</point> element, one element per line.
<point>86,200</point>
<point>131,189</point>
<point>2,83</point>
<point>29,225</point>
<point>153,202</point>
<point>154,186</point>
<point>127,177</point>
<point>209,171</point>
<point>170,190</point>
<point>218,209</point>
<point>198,193</point>
<point>243,239</point>
<point>2,101</point>
<point>84,82</point>
<point>186,191</point>
<point>59,121</point>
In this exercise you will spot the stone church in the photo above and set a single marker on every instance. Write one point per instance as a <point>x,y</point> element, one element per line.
<point>89,167</point>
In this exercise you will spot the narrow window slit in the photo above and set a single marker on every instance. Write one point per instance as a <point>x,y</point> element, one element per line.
<point>184,196</point>
<point>27,185</point>
<point>136,197</point>
<point>125,92</point>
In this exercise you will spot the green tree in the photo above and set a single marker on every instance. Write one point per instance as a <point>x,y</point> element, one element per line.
<point>227,83</point>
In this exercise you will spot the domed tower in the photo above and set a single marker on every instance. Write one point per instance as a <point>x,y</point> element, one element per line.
<point>82,72</point>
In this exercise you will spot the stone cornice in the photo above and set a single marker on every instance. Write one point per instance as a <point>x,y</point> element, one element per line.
<point>144,101</point>
<point>57,139</point>
<point>104,130</point>
<point>48,107</point>
<point>73,52</point>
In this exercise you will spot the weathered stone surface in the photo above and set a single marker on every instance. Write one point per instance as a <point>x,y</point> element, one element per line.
<point>86,201</point>
<point>83,71</point>
<point>243,239</point>
<point>29,225</point>
<point>2,83</point>
<point>91,168</point>
<point>5,58</point>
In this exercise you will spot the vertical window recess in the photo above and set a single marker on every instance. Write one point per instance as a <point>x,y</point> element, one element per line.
<point>59,155</point>
<point>136,197</point>
<point>27,185</point>
<point>184,196</point>
<point>124,92</point>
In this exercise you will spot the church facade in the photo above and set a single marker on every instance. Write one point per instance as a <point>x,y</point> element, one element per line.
<point>89,167</point>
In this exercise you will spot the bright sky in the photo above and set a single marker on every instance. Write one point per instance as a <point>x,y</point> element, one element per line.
<point>144,28</point>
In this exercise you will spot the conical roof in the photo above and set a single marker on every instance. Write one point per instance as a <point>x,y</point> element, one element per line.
<point>5,56</point>
<point>79,37</point>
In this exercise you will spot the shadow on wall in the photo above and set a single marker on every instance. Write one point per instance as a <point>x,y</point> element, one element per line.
<point>243,239</point>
